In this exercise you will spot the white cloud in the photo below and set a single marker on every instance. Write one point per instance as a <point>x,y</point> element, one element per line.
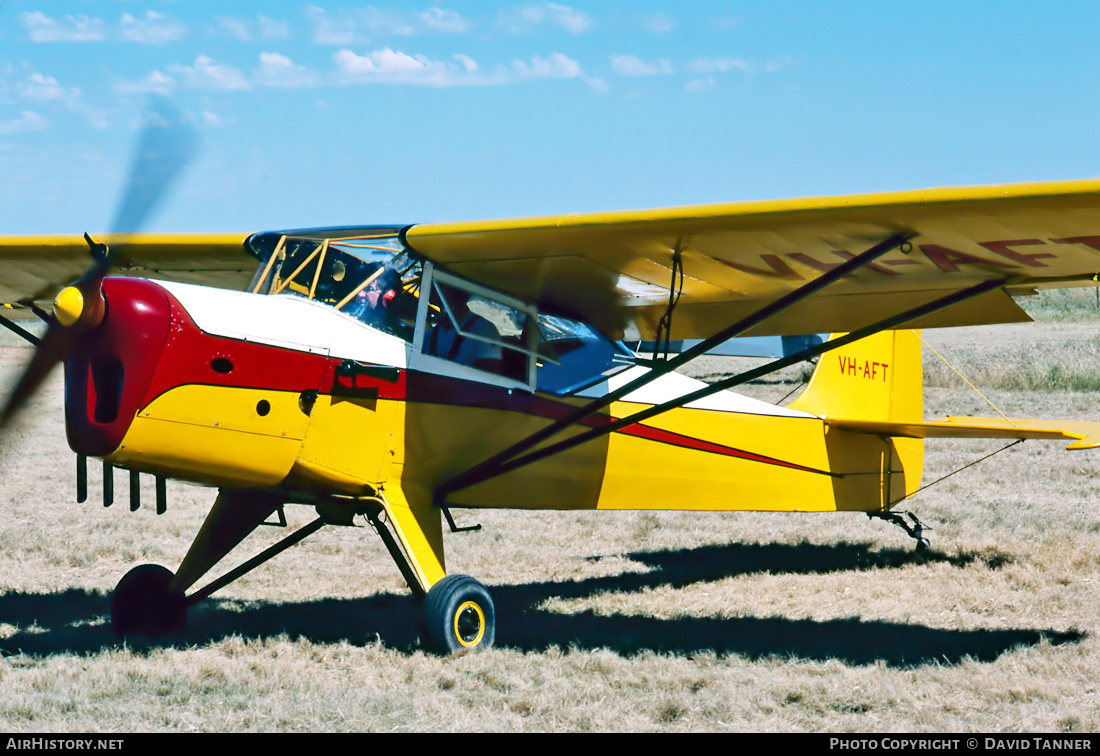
<point>154,83</point>
<point>364,25</point>
<point>706,69</point>
<point>42,88</point>
<point>573,21</point>
<point>379,62</point>
<point>444,21</point>
<point>151,29</point>
<point>281,72</point>
<point>238,29</point>
<point>210,118</point>
<point>350,68</point>
<point>42,28</point>
<point>524,19</point>
<point>246,29</point>
<point>631,65</point>
<point>776,64</point>
<point>387,66</point>
<point>557,66</point>
<point>206,74</point>
<point>707,66</point>
<point>328,30</point>
<point>718,65</point>
<point>27,121</point>
<point>271,29</point>
<point>154,29</point>
<point>468,64</point>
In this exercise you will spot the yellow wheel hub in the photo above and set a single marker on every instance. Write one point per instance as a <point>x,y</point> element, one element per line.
<point>469,624</point>
<point>68,306</point>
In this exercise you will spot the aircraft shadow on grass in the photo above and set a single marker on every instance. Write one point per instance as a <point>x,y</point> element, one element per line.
<point>72,621</point>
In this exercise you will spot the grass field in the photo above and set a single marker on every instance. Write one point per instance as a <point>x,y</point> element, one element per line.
<point>607,621</point>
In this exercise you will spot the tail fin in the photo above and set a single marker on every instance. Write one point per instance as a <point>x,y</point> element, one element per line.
<point>876,378</point>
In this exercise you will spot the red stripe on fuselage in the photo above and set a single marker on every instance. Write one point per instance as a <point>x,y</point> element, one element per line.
<point>192,356</point>
<point>428,388</point>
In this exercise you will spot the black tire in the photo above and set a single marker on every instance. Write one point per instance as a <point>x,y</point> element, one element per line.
<point>143,604</point>
<point>459,615</point>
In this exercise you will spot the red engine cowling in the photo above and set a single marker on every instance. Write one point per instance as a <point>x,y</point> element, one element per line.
<point>107,375</point>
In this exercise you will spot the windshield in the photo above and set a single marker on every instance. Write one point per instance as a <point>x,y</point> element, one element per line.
<point>369,276</point>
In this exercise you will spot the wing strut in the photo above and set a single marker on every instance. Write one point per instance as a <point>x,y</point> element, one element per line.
<point>490,467</point>
<point>19,331</point>
<point>468,479</point>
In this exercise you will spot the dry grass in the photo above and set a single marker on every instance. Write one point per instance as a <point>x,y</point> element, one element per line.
<point>608,621</point>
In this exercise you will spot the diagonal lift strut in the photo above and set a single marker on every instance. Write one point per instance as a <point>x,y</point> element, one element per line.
<point>497,464</point>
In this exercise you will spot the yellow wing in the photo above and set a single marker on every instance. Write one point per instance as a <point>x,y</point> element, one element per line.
<point>615,269</point>
<point>36,267</point>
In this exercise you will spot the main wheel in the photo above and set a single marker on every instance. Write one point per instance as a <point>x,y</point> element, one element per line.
<point>459,614</point>
<point>143,603</point>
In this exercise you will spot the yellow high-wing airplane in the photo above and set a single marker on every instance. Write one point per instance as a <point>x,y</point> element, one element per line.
<point>397,373</point>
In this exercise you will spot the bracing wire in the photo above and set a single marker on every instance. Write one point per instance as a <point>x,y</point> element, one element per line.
<point>963,377</point>
<point>964,467</point>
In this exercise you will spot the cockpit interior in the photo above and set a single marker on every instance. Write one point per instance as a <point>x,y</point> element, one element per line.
<point>370,275</point>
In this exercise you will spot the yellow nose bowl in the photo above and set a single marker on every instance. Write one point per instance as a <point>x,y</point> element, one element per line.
<point>68,306</point>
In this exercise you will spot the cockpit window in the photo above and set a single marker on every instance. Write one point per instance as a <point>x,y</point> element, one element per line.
<point>370,277</point>
<point>479,331</point>
<point>584,357</point>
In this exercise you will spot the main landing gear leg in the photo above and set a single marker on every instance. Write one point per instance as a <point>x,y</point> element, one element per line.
<point>150,600</point>
<point>458,610</point>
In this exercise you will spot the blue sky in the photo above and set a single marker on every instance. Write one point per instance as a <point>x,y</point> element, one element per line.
<point>349,113</point>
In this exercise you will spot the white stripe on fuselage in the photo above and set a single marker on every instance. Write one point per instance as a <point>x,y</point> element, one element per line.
<point>674,385</point>
<point>287,321</point>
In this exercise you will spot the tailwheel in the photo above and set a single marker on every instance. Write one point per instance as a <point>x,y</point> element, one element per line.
<point>144,604</point>
<point>459,614</point>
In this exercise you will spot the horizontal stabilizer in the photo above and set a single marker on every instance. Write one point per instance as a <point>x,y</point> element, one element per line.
<point>1085,435</point>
